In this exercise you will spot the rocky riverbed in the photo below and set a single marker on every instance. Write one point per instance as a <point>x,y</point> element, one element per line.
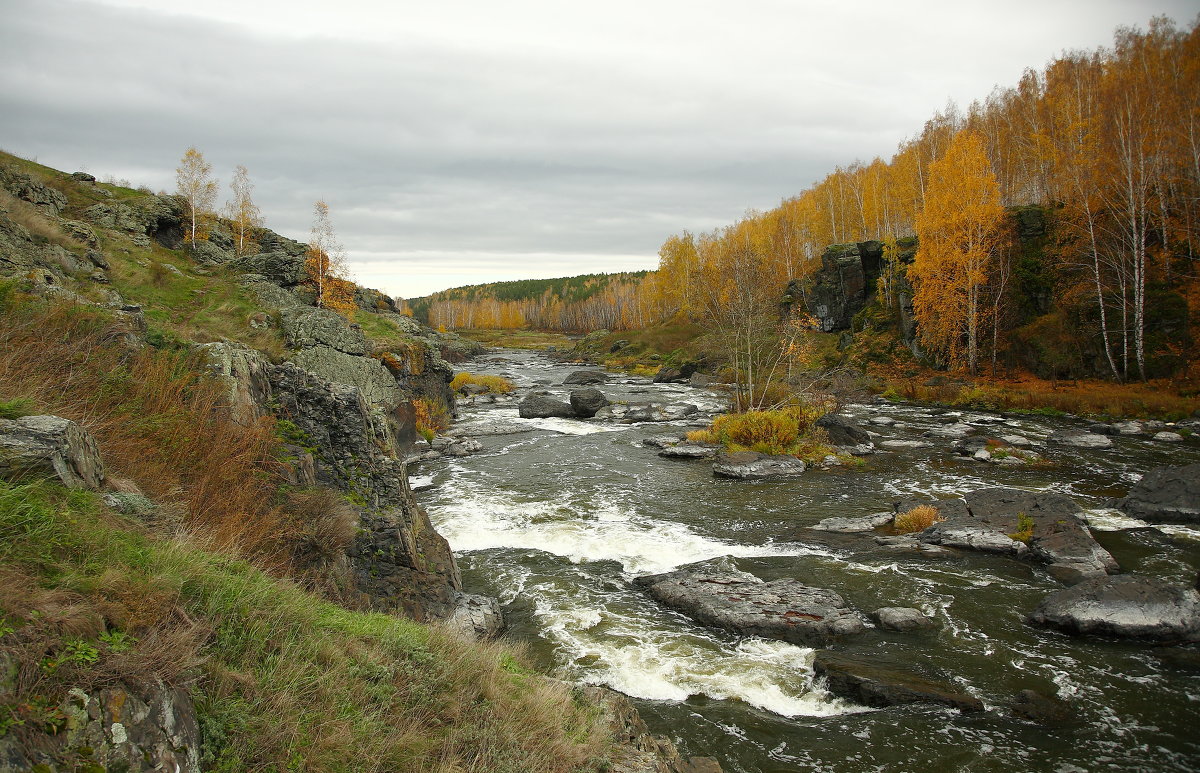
<point>778,624</point>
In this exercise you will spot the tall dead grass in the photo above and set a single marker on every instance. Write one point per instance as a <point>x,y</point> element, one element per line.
<point>158,421</point>
<point>34,220</point>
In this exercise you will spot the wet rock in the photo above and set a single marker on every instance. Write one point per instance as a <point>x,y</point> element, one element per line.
<point>701,380</point>
<point>583,377</point>
<point>1020,441</point>
<point>539,405</point>
<point>475,617</point>
<point>901,619</point>
<point>785,609</point>
<point>881,421</point>
<point>1168,437</point>
<point>843,431</point>
<point>1042,709</point>
<point>984,520</point>
<point>845,525</point>
<point>647,412</point>
<point>1103,429</point>
<point>873,683</point>
<point>1128,427</point>
<point>663,441</point>
<point>1165,495</point>
<point>690,451</point>
<point>50,447</point>
<point>586,402</point>
<point>956,429</point>
<point>1126,606</point>
<point>1081,439</point>
<point>751,465</point>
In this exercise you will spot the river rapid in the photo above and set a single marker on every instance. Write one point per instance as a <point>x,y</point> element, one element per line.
<point>556,517</point>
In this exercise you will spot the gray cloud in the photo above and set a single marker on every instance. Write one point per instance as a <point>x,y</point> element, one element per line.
<point>470,141</point>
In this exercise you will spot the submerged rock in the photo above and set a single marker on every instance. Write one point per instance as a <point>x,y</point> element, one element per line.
<point>1165,495</point>
<point>873,683</point>
<point>1043,709</point>
<point>1081,439</point>
<point>1126,606</point>
<point>751,465</point>
<point>784,609</point>
<point>901,619</point>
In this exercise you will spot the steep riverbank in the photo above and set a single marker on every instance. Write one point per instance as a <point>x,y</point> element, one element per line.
<point>558,517</point>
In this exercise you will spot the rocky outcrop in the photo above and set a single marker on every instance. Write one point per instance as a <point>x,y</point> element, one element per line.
<point>475,617</point>
<point>784,609</point>
<point>1126,606</point>
<point>150,728</point>
<point>751,465</point>
<point>283,268</point>
<point>670,374</point>
<point>840,288</point>
<point>399,560</point>
<point>307,326</point>
<point>50,447</point>
<point>246,375</point>
<point>379,387</point>
<point>1165,495</point>
<point>46,198</point>
<point>991,520</point>
<point>874,683</point>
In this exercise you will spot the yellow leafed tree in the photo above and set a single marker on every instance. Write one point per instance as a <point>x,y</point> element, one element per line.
<point>325,262</point>
<point>959,232</point>
<point>196,186</point>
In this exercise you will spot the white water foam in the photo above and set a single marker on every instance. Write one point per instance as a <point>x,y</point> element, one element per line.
<point>1106,519</point>
<point>472,519</point>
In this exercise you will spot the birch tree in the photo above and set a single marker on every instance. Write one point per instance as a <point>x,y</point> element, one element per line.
<point>198,188</point>
<point>325,262</point>
<point>244,215</point>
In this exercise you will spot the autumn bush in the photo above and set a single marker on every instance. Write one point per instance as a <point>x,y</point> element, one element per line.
<point>917,519</point>
<point>490,384</point>
<point>431,417</point>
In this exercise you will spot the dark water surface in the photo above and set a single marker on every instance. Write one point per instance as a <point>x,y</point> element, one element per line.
<point>557,516</point>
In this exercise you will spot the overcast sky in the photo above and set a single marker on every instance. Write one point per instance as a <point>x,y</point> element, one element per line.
<point>466,141</point>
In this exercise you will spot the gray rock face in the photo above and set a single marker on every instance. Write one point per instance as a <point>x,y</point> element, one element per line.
<point>985,518</point>
<point>152,728</point>
<point>305,326</point>
<point>1165,495</point>
<point>587,402</point>
<point>839,289</point>
<point>636,750</point>
<point>1081,439</point>
<point>584,377</point>
<point>901,619</point>
<point>786,610</point>
<point>842,431</point>
<point>50,200</point>
<point>876,684</point>
<point>378,385</point>
<point>476,617</point>
<point>245,372</point>
<point>751,465</point>
<point>51,447</point>
<point>1127,606</point>
<point>854,525</point>
<point>543,406</point>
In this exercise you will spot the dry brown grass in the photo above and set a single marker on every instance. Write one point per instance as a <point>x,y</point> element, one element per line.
<point>159,422</point>
<point>34,220</point>
<point>917,519</point>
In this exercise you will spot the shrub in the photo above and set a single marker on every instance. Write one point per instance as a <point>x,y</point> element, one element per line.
<point>490,384</point>
<point>769,432</point>
<point>1024,527</point>
<point>431,418</point>
<point>919,518</point>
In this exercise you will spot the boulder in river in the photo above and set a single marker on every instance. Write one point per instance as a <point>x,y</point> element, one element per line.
<point>668,374</point>
<point>1127,606</point>
<point>751,465</point>
<point>842,431</point>
<point>539,405</point>
<point>586,402</point>
<point>874,683</point>
<point>993,519</point>
<point>901,619</point>
<point>1043,709</point>
<point>689,451</point>
<point>584,377</point>
<point>785,609</point>
<point>850,525</point>
<point>1165,495</point>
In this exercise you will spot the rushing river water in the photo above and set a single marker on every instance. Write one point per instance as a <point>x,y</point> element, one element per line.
<point>557,516</point>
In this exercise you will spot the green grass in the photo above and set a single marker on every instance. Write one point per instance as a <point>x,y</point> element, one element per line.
<point>281,679</point>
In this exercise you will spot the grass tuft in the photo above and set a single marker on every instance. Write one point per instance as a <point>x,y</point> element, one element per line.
<point>917,519</point>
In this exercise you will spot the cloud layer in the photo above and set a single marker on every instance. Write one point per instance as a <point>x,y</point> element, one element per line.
<point>462,142</point>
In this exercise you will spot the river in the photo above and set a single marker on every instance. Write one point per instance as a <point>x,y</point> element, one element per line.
<point>557,516</point>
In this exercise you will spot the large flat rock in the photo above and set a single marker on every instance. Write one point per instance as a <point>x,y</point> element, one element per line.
<point>1165,495</point>
<point>751,465</point>
<point>784,609</point>
<point>878,684</point>
<point>1127,606</point>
